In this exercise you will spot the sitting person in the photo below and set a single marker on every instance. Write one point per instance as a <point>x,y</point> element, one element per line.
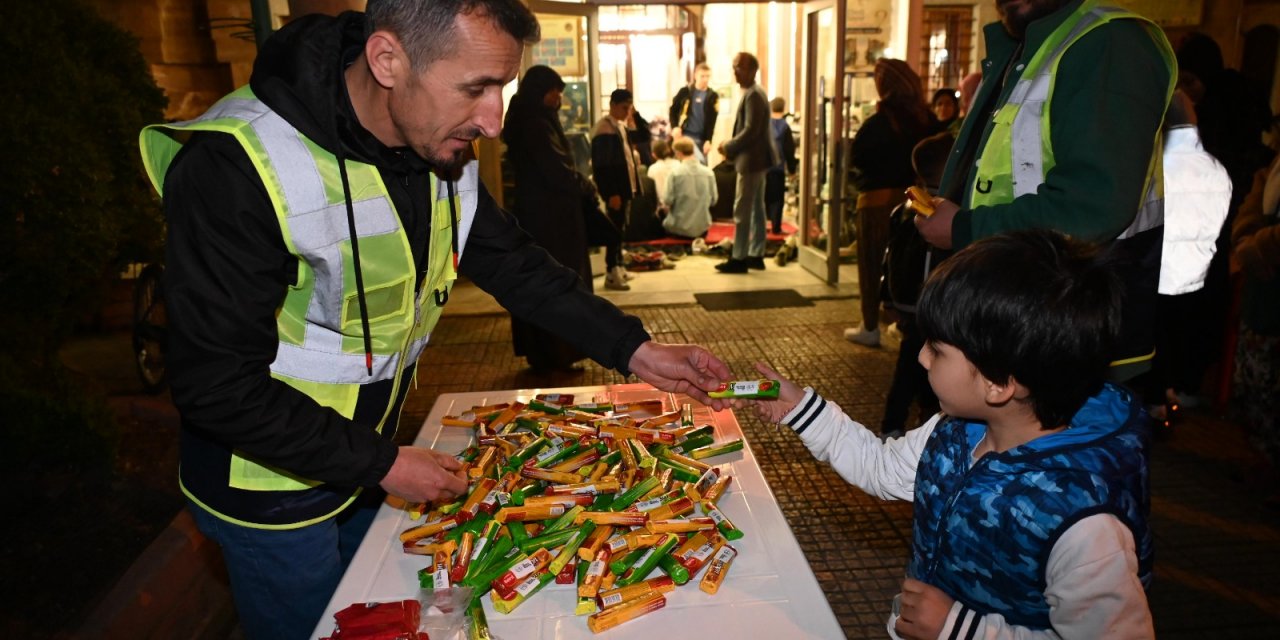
<point>1031,487</point>
<point>663,164</point>
<point>690,192</point>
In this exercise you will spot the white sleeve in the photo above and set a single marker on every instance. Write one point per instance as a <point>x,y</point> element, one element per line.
<point>883,469</point>
<point>1092,588</point>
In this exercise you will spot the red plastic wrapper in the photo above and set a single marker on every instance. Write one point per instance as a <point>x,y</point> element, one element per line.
<point>379,621</point>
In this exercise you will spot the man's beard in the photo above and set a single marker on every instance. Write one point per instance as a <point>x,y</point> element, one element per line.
<point>1016,24</point>
<point>448,162</point>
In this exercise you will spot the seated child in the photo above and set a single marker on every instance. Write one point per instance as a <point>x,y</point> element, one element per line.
<point>691,190</point>
<point>1030,487</point>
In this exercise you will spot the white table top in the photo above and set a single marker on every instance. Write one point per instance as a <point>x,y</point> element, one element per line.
<point>770,591</point>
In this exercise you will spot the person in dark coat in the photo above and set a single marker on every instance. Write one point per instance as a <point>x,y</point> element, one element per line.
<point>549,196</point>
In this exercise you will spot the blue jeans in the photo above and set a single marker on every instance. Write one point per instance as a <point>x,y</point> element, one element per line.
<point>748,216</point>
<point>282,580</point>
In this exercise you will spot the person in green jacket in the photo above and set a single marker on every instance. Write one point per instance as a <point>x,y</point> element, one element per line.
<point>1064,134</point>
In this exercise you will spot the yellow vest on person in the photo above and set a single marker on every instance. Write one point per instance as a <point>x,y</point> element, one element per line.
<point>1019,151</point>
<point>321,349</point>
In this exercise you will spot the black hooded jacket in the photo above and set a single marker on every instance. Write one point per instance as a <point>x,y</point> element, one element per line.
<point>228,270</point>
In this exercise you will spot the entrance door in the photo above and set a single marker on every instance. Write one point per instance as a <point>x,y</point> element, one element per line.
<point>822,182</point>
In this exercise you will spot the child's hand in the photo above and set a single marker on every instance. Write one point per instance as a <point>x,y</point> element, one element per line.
<point>788,396</point>
<point>923,610</point>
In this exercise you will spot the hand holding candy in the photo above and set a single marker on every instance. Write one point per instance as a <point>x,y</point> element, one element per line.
<point>788,396</point>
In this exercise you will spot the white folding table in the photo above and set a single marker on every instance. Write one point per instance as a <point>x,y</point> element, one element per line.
<point>770,591</point>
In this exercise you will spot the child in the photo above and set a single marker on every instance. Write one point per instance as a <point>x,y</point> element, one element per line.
<point>1030,488</point>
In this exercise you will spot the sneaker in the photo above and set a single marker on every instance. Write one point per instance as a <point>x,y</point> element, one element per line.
<point>864,338</point>
<point>616,280</point>
<point>732,266</point>
<point>756,263</point>
<point>699,246</point>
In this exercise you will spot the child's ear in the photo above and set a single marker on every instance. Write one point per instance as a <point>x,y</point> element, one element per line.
<point>998,393</point>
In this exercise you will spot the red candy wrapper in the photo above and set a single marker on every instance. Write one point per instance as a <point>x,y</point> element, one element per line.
<point>379,621</point>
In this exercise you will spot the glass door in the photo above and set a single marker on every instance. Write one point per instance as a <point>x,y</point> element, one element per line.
<point>822,173</point>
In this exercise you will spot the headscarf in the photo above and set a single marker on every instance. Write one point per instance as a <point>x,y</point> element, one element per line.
<point>527,104</point>
<point>901,94</point>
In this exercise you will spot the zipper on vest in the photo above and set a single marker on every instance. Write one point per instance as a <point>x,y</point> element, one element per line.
<point>946,511</point>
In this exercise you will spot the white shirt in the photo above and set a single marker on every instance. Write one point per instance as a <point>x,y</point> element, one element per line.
<point>1197,194</point>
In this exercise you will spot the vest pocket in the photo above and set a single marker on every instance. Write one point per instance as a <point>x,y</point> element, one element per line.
<point>252,476</point>
<point>390,300</point>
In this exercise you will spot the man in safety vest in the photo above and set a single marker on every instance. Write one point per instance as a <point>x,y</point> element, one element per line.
<point>317,220</point>
<point>1065,133</point>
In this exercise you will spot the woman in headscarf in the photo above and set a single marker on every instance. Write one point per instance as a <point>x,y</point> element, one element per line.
<point>880,168</point>
<point>549,197</point>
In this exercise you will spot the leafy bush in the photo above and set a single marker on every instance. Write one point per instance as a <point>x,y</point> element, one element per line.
<point>74,203</point>
<point>74,208</point>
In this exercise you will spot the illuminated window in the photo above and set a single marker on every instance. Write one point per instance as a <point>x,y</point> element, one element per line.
<point>947,44</point>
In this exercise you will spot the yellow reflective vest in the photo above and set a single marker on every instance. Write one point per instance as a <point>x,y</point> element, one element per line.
<point>321,350</point>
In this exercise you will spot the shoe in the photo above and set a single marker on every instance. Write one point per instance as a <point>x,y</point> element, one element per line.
<point>756,263</point>
<point>699,246</point>
<point>864,338</point>
<point>628,276</point>
<point>616,280</point>
<point>732,266</point>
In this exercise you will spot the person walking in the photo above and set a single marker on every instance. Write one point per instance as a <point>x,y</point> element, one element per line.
<point>881,171</point>
<point>752,153</point>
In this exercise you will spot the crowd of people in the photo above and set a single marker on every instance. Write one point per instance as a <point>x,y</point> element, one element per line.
<point>313,242</point>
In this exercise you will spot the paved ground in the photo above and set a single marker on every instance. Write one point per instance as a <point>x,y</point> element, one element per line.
<point>1218,551</point>
<point>1218,555</point>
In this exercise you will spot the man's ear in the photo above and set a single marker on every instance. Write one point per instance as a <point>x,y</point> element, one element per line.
<point>388,63</point>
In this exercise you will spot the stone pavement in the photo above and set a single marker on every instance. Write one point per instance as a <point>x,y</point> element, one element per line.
<point>1217,548</point>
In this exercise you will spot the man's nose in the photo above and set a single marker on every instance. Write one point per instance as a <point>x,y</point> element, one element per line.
<point>488,115</point>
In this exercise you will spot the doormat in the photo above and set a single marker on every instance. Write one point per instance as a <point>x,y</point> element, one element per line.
<point>763,299</point>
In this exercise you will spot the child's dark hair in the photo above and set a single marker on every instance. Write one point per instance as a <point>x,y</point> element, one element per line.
<point>1035,305</point>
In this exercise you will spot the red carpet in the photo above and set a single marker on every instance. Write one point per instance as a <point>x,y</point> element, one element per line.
<point>718,231</point>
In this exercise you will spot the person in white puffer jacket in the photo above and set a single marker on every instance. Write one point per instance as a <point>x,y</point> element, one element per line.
<point>1197,197</point>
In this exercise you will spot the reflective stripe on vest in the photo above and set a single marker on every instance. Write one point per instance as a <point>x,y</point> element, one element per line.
<point>1019,151</point>
<point>320,350</point>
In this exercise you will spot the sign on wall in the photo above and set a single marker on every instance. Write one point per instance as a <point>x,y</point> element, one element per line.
<point>561,44</point>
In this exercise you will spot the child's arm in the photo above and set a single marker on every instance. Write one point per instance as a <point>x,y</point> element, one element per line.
<point>885,470</point>
<point>1091,585</point>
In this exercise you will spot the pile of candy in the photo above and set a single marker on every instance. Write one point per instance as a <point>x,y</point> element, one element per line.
<point>594,494</point>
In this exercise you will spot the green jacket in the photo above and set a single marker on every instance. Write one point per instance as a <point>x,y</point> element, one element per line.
<point>1108,103</point>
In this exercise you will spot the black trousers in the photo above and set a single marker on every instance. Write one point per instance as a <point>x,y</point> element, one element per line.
<point>602,231</point>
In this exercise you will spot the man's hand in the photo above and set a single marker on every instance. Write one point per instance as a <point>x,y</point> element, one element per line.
<point>721,150</point>
<point>615,202</point>
<point>706,148</point>
<point>681,368</point>
<point>923,611</point>
<point>676,133</point>
<point>424,475</point>
<point>788,396</point>
<point>936,229</point>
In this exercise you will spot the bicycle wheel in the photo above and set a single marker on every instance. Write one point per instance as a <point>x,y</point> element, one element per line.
<point>149,330</point>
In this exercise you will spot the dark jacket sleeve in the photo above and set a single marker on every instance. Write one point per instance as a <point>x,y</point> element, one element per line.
<point>1109,100</point>
<point>226,274</point>
<point>504,261</point>
<point>548,157</point>
<point>677,105</point>
<point>711,114</point>
<point>608,165</point>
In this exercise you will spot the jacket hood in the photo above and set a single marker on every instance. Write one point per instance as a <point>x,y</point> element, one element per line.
<point>1106,414</point>
<point>299,74</point>
<point>527,105</point>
